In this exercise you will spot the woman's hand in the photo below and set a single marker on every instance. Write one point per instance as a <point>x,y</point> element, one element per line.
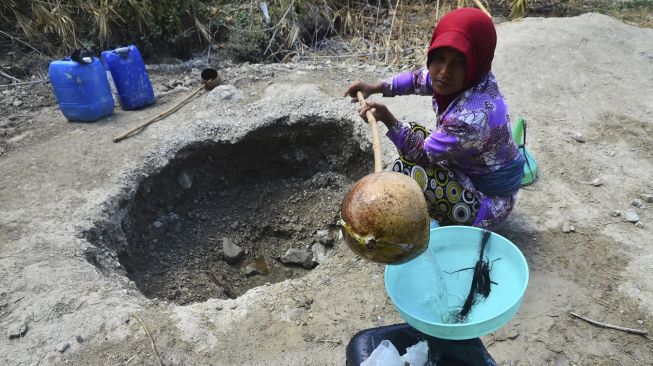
<point>365,88</point>
<point>380,112</point>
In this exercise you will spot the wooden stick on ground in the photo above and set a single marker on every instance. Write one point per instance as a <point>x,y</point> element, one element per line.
<point>26,83</point>
<point>158,116</point>
<point>158,358</point>
<point>610,326</point>
<point>11,77</point>
<point>328,341</point>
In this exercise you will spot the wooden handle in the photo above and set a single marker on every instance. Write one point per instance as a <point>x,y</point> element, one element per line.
<point>376,140</point>
<point>158,116</point>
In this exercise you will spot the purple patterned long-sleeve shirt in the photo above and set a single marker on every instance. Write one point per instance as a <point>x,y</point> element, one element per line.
<point>472,137</point>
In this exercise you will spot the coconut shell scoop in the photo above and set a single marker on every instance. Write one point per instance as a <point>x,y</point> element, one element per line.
<point>384,217</point>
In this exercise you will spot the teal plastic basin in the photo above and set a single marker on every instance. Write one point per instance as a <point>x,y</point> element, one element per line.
<point>425,298</point>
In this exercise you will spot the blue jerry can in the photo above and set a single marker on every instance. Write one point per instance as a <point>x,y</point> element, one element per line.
<point>82,89</point>
<point>130,77</point>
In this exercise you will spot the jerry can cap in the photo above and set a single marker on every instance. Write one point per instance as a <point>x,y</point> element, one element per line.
<point>122,51</point>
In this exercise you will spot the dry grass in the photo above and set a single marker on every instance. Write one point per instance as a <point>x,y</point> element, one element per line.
<point>391,31</point>
<point>636,12</point>
<point>394,31</point>
<point>299,26</point>
<point>518,8</point>
<point>58,26</point>
<point>382,30</point>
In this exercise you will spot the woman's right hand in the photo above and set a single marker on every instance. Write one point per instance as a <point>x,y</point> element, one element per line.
<point>365,88</point>
<point>379,111</point>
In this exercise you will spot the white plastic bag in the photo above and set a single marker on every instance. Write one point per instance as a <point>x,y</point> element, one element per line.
<point>417,355</point>
<point>384,355</point>
<point>387,355</point>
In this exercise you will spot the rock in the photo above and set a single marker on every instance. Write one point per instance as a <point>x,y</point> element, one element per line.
<point>157,227</point>
<point>324,237</point>
<point>62,347</point>
<point>17,103</point>
<point>180,89</point>
<point>639,225</point>
<point>233,306</point>
<point>171,84</point>
<point>579,137</point>
<point>198,64</point>
<point>258,266</point>
<point>319,252</point>
<point>225,93</point>
<point>231,251</point>
<point>250,271</point>
<point>638,203</point>
<point>640,322</point>
<point>567,227</point>
<point>173,220</point>
<point>18,330</point>
<point>298,256</point>
<point>616,213</point>
<point>631,216</point>
<point>234,225</point>
<point>597,182</point>
<point>79,339</point>
<point>185,178</point>
<point>561,361</point>
<point>647,197</point>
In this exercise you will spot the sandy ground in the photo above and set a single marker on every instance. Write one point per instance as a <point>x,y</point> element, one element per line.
<point>589,76</point>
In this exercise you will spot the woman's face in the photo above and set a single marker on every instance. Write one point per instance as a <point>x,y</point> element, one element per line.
<point>447,68</point>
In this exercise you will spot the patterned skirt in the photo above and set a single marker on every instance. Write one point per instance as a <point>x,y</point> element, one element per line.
<point>447,200</point>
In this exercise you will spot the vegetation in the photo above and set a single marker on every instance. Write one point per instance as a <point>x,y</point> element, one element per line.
<point>58,26</point>
<point>371,28</point>
<point>636,12</point>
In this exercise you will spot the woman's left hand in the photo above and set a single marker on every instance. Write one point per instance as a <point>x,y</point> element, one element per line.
<point>380,112</point>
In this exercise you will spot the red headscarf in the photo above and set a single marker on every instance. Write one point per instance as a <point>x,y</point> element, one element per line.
<point>471,32</point>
